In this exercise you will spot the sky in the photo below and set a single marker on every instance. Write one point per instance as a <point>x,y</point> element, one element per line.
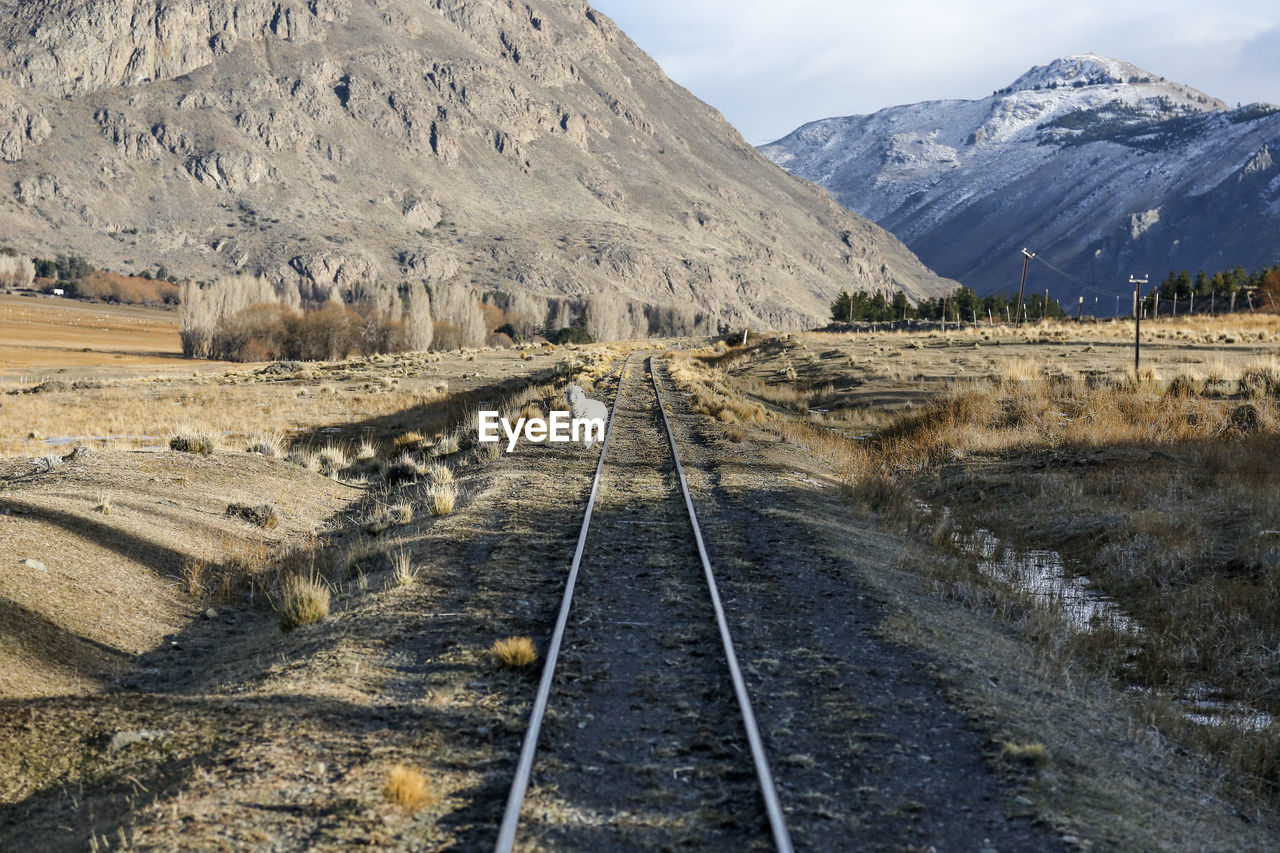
<point>771,65</point>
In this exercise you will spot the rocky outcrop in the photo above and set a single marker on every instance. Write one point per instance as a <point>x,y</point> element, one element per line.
<point>517,146</point>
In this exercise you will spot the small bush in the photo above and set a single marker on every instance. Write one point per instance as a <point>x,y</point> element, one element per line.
<point>410,440</point>
<point>404,573</point>
<point>408,789</point>
<point>264,515</point>
<point>514,652</point>
<point>446,445</point>
<point>367,450</point>
<point>304,601</point>
<point>333,460</point>
<point>270,445</point>
<point>1028,754</point>
<point>442,498</point>
<point>308,459</point>
<point>104,505</point>
<point>440,474</point>
<point>193,442</point>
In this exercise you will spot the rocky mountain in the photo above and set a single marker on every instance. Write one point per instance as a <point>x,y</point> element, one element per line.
<point>1102,168</point>
<point>515,145</point>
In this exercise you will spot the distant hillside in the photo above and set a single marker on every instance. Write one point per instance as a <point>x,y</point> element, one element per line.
<point>522,146</point>
<point>1102,168</point>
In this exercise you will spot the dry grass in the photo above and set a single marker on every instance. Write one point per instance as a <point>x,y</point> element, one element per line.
<point>447,445</point>
<point>514,652</point>
<point>270,445</point>
<point>303,601</point>
<point>263,515</point>
<point>411,440</point>
<point>194,441</point>
<point>408,789</point>
<point>1026,754</point>
<point>403,572</point>
<point>441,498</point>
<point>104,504</point>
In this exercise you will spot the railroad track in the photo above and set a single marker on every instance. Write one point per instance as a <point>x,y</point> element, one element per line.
<point>649,737</point>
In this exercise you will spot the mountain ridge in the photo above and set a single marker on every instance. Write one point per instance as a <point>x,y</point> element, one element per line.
<point>1101,177</point>
<point>515,146</point>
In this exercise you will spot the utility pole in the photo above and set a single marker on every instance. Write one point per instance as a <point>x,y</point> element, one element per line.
<point>1213,297</point>
<point>1026,259</point>
<point>1117,305</point>
<point>1044,315</point>
<point>1137,320</point>
<point>1192,308</point>
<point>1155,305</point>
<point>1079,309</point>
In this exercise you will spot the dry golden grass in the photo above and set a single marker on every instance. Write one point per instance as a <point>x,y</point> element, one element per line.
<point>1027,754</point>
<point>303,601</point>
<point>441,498</point>
<point>263,515</point>
<point>514,652</point>
<point>194,441</point>
<point>270,445</point>
<point>403,572</point>
<point>408,789</point>
<point>411,440</point>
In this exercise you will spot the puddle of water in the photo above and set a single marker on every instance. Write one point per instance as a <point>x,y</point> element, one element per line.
<point>1044,574</point>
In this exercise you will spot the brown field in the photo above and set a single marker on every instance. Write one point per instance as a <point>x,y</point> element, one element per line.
<point>310,628</point>
<point>41,336</point>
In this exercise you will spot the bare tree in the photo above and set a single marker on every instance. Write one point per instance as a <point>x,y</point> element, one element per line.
<point>418,327</point>
<point>528,314</point>
<point>16,271</point>
<point>456,305</point>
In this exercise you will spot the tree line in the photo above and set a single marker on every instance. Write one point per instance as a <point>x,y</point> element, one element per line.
<point>247,318</point>
<point>1232,289</point>
<point>961,305</point>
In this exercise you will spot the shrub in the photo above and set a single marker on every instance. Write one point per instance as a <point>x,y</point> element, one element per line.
<point>1028,754</point>
<point>408,789</point>
<point>263,515</point>
<point>514,652</point>
<point>304,601</point>
<point>446,445</point>
<point>193,442</point>
<point>403,571</point>
<point>441,499</point>
<point>410,440</point>
<point>270,445</point>
<point>333,459</point>
<point>440,474</point>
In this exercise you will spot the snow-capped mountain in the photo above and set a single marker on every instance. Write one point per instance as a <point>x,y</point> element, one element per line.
<point>1100,167</point>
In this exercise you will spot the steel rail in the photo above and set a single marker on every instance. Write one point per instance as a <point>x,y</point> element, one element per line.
<point>777,822</point>
<point>515,799</point>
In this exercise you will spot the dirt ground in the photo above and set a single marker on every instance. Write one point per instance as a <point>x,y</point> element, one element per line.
<point>135,718</point>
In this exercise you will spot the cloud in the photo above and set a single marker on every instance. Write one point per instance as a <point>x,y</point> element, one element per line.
<point>771,66</point>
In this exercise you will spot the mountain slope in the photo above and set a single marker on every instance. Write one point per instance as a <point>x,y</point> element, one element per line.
<point>511,145</point>
<point>1100,167</point>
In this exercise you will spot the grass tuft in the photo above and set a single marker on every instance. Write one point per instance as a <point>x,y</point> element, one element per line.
<point>404,573</point>
<point>264,515</point>
<point>441,498</point>
<point>514,652</point>
<point>408,789</point>
<point>270,445</point>
<point>1027,754</point>
<point>201,442</point>
<point>304,601</point>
